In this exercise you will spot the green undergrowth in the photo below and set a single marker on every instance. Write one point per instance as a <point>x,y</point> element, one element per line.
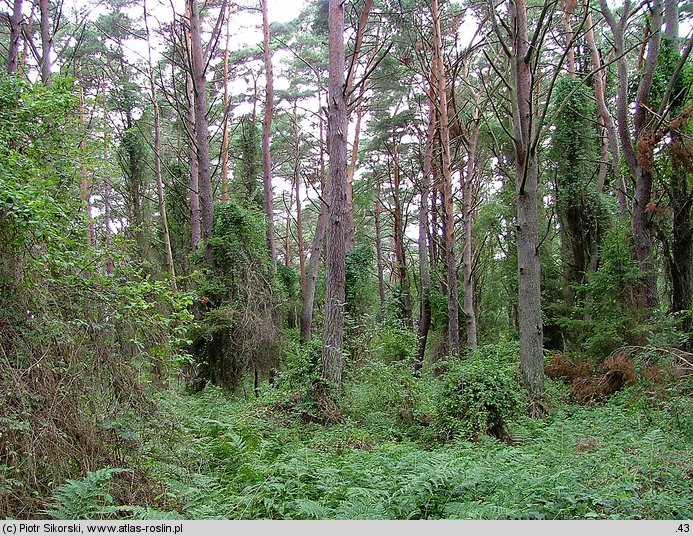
<point>629,458</point>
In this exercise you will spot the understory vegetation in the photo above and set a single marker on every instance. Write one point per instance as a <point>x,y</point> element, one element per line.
<point>393,456</point>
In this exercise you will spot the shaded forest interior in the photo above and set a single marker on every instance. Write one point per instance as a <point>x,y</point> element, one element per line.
<point>370,259</point>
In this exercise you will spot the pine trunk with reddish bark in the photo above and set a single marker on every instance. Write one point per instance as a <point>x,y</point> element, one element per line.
<point>333,329</point>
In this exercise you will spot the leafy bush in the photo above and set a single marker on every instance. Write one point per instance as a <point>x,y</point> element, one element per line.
<point>297,380</point>
<point>479,393</point>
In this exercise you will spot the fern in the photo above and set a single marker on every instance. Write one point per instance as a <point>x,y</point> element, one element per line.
<point>86,498</point>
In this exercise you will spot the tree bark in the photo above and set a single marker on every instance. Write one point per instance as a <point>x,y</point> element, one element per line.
<point>526,184</point>
<point>194,189</point>
<point>266,132</point>
<point>287,227</point>
<point>201,131</point>
<point>424,270</point>
<point>671,20</point>
<point>15,35</point>
<point>640,226</point>
<point>46,42</point>
<point>333,332</point>
<point>350,224</point>
<point>448,214</point>
<point>568,8</point>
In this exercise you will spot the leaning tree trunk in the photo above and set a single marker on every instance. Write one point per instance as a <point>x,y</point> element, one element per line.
<point>448,215</point>
<point>526,185</point>
<point>316,249</point>
<point>350,226</point>
<point>312,275</point>
<point>201,131</point>
<point>333,331</point>
<point>157,160</point>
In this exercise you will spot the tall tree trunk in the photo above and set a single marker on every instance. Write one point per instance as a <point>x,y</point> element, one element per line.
<point>287,228</point>
<point>640,225</point>
<point>266,131</point>
<point>377,208</point>
<point>424,270</point>
<point>299,215</point>
<point>316,248</point>
<point>194,188</point>
<point>202,131</point>
<point>225,135</point>
<point>15,35</point>
<point>168,253</point>
<point>671,20</point>
<point>107,190</point>
<point>526,184</point>
<point>333,332</point>
<point>398,235</point>
<point>46,41</point>
<point>448,214</point>
<point>467,223</point>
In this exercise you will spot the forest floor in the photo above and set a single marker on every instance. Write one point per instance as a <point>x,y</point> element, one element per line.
<point>630,457</point>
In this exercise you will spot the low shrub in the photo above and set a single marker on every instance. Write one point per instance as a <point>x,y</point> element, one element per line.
<point>479,394</point>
